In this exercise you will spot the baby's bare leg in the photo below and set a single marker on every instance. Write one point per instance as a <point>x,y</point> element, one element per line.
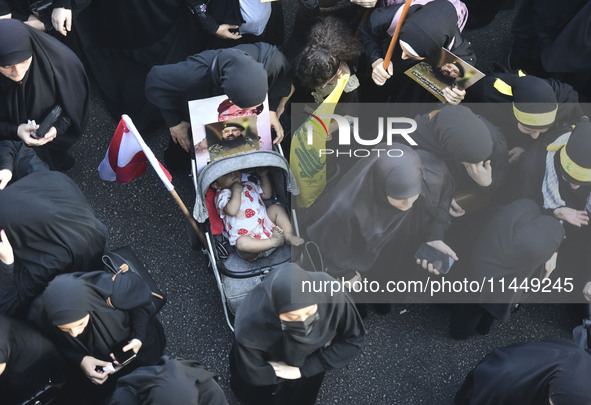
<point>279,216</point>
<point>249,247</point>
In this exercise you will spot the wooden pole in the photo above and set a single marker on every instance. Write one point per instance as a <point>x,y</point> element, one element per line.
<point>189,217</point>
<point>394,40</point>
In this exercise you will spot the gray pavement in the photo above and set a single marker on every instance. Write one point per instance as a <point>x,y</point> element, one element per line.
<point>409,357</point>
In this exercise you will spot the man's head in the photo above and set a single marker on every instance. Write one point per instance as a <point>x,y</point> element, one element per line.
<point>227,110</point>
<point>534,105</point>
<point>575,156</point>
<point>232,131</point>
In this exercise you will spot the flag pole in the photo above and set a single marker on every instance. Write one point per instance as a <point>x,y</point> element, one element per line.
<point>403,14</point>
<point>156,165</point>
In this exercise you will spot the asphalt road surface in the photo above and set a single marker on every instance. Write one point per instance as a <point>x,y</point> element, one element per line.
<point>409,357</point>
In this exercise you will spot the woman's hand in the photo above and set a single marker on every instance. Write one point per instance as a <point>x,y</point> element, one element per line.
<point>379,75</point>
<point>514,154</point>
<point>587,291</point>
<point>443,248</point>
<point>225,33</point>
<point>284,371</point>
<point>134,344</point>
<point>550,265</point>
<point>26,132</point>
<point>61,19</point>
<point>89,365</point>
<point>455,210</point>
<point>180,135</point>
<point>276,125</point>
<point>454,95</point>
<point>5,177</point>
<point>480,172</point>
<point>6,252</point>
<point>35,22</point>
<point>572,216</point>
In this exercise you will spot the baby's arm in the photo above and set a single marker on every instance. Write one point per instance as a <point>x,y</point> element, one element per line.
<point>233,206</point>
<point>263,173</point>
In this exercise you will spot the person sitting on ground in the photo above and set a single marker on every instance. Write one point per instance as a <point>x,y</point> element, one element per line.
<point>252,228</point>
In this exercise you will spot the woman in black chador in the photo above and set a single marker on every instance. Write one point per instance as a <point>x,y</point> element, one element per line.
<point>39,73</point>
<point>515,243</point>
<point>282,349</point>
<point>384,206</point>
<point>88,314</point>
<point>533,373</point>
<point>426,29</point>
<point>50,229</point>
<point>473,149</point>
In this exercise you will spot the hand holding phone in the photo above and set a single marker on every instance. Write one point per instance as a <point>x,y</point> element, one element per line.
<point>121,357</point>
<point>439,261</point>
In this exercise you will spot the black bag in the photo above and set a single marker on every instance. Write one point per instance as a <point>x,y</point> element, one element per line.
<point>125,255</point>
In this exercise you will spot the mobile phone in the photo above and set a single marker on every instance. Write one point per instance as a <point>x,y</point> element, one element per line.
<point>123,358</point>
<point>440,261</point>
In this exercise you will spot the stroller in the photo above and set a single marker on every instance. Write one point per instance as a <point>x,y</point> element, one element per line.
<point>235,276</point>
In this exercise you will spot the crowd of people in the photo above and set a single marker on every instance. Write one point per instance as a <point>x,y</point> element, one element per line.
<point>499,181</point>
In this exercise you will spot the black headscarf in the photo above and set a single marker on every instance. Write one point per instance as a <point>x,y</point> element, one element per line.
<point>56,76</point>
<point>530,373</point>
<point>353,221</point>
<point>242,78</point>
<point>167,382</point>
<point>454,133</point>
<point>515,242</point>
<point>258,325</point>
<point>430,27</point>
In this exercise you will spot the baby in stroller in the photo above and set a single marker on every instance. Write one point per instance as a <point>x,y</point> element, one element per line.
<point>254,229</point>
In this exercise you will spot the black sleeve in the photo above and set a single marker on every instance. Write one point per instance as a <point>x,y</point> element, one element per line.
<point>199,9</point>
<point>8,151</point>
<point>62,4</point>
<point>252,366</point>
<point>348,343</point>
<point>442,220</point>
<point>499,158</point>
<point>8,131</point>
<point>10,301</point>
<point>278,74</point>
<point>170,87</point>
<point>373,31</point>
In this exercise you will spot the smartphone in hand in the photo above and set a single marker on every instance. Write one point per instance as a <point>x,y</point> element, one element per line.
<point>123,358</point>
<point>440,261</point>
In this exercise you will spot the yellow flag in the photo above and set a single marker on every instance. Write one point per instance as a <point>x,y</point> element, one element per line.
<point>308,167</point>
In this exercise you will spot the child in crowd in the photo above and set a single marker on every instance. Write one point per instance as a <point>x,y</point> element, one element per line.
<point>254,229</point>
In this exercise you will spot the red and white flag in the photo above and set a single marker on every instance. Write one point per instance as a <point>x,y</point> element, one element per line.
<point>127,154</point>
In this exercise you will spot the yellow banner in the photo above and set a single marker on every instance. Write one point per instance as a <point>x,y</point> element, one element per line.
<point>308,167</point>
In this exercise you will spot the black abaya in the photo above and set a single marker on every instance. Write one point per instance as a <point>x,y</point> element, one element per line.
<point>52,230</point>
<point>353,222</point>
<point>55,77</point>
<point>335,339</point>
